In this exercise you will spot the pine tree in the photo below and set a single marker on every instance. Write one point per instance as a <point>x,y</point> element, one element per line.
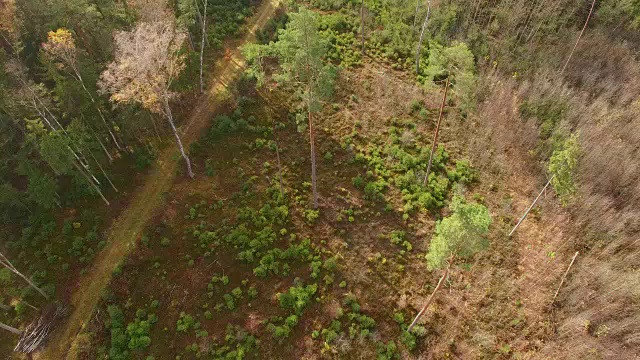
<point>301,51</point>
<point>460,235</point>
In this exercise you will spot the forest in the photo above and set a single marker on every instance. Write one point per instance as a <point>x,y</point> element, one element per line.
<point>319,179</point>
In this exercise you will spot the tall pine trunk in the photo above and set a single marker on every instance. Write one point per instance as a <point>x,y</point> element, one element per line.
<point>435,137</point>
<point>312,139</point>
<point>177,136</point>
<point>275,139</point>
<point>415,16</point>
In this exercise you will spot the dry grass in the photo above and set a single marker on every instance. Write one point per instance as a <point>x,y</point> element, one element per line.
<point>596,315</point>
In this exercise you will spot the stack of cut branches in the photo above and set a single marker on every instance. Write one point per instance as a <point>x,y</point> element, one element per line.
<point>38,331</point>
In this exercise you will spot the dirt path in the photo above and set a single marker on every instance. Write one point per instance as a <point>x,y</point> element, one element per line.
<point>130,224</point>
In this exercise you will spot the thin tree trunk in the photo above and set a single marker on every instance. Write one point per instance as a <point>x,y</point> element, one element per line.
<point>155,128</point>
<point>104,148</point>
<point>10,329</point>
<point>103,172</point>
<point>314,186</point>
<point>4,261</point>
<point>104,120</point>
<point>204,33</point>
<point>95,187</point>
<point>435,137</point>
<point>175,133</point>
<point>531,207</point>
<point>29,305</point>
<point>424,26</point>
<point>415,17</point>
<point>424,308</point>
<point>362,25</point>
<point>593,4</point>
<point>564,277</point>
<point>275,139</point>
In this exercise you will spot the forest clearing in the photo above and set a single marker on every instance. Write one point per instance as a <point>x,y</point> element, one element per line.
<point>339,179</point>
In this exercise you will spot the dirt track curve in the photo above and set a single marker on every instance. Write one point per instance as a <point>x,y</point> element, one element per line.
<point>148,199</point>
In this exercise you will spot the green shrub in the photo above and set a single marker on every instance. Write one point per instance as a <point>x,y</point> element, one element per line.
<point>461,234</point>
<point>237,293</point>
<point>330,265</point>
<point>311,215</point>
<point>229,302</point>
<point>116,316</point>
<point>562,166</point>
<point>185,323</point>
<point>138,333</point>
<point>358,182</point>
<point>208,167</point>
<point>252,293</point>
<point>388,351</point>
<point>297,298</point>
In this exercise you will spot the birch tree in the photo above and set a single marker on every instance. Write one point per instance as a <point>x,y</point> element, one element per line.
<point>147,60</point>
<point>61,49</point>
<point>202,43</point>
<point>55,144</point>
<point>4,261</point>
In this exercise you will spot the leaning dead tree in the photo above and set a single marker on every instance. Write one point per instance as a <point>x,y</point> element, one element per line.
<point>531,207</point>
<point>564,277</point>
<point>433,294</point>
<point>435,136</point>
<point>419,48</point>
<point>10,329</point>
<point>593,4</point>
<point>6,263</point>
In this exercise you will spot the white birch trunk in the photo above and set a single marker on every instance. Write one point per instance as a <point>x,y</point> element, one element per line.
<point>175,133</point>
<point>4,261</point>
<point>204,33</point>
<point>95,187</point>
<point>93,101</point>
<point>10,329</point>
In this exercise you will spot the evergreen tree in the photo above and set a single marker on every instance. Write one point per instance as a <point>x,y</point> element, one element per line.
<point>301,52</point>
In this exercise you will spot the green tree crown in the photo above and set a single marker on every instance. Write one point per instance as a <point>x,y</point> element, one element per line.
<point>562,164</point>
<point>462,234</point>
